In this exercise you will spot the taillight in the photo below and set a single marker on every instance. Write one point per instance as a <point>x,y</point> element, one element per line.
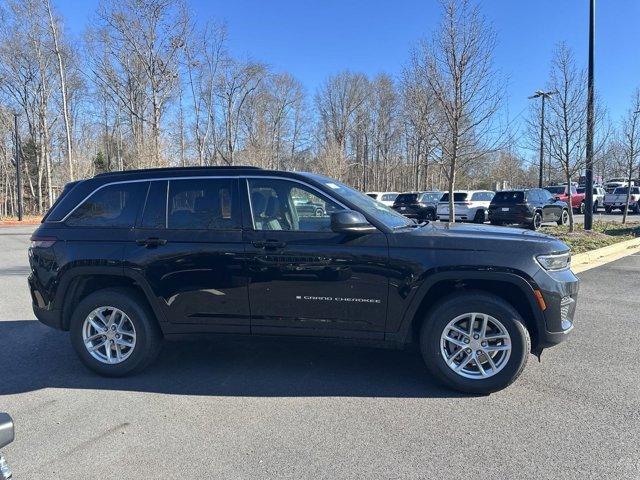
<point>42,242</point>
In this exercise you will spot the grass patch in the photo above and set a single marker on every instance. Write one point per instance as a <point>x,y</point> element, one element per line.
<point>602,235</point>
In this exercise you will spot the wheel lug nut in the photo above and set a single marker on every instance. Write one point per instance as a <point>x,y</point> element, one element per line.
<point>484,344</point>
<point>468,350</point>
<point>466,340</point>
<point>118,336</point>
<point>476,336</point>
<point>479,352</point>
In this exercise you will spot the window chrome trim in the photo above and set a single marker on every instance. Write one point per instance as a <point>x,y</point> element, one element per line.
<point>273,177</point>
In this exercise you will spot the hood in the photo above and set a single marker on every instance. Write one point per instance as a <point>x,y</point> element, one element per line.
<point>483,238</point>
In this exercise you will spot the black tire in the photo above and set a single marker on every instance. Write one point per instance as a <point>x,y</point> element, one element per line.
<point>479,302</point>
<point>480,216</point>
<point>595,206</point>
<point>607,209</point>
<point>564,218</point>
<point>536,223</point>
<point>148,334</point>
<point>637,208</point>
<point>496,222</point>
<point>431,215</point>
<point>582,208</point>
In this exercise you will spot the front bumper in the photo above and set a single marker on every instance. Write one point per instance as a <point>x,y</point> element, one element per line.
<point>560,293</point>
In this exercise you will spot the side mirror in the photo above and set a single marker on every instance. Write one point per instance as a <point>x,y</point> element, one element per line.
<point>6,430</point>
<point>351,222</point>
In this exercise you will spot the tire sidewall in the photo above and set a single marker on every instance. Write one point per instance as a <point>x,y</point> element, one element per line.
<point>146,331</point>
<point>536,225</point>
<point>480,303</point>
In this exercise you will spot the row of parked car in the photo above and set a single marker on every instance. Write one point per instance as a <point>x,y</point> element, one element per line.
<point>531,207</point>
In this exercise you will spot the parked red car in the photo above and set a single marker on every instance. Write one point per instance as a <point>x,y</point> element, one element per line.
<point>561,193</point>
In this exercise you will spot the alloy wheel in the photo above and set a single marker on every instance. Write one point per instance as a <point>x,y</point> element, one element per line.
<point>109,335</point>
<point>475,345</point>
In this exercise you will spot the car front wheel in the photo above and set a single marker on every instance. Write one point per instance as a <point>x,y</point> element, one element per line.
<point>114,333</point>
<point>475,342</point>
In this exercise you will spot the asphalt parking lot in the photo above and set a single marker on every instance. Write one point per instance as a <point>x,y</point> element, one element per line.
<point>297,410</point>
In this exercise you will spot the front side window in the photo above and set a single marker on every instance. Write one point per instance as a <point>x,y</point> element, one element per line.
<point>203,204</point>
<point>289,206</point>
<point>113,206</point>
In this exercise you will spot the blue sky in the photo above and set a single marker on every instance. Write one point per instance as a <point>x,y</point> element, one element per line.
<point>313,39</point>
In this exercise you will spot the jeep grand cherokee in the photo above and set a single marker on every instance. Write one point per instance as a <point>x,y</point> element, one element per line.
<point>125,259</point>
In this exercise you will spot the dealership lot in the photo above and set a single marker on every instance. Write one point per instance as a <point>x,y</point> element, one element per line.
<point>268,409</point>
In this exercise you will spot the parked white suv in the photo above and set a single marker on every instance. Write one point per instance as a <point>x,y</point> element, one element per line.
<point>470,205</point>
<point>386,198</point>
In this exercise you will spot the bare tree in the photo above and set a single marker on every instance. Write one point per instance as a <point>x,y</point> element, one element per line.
<point>237,82</point>
<point>337,101</point>
<point>63,86</point>
<point>465,87</point>
<point>630,142</point>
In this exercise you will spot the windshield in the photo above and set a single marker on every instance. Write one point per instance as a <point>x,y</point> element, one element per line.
<point>508,197</point>
<point>621,190</point>
<point>369,206</point>
<point>560,189</point>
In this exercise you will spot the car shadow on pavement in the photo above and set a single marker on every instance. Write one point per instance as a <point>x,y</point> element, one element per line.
<point>33,356</point>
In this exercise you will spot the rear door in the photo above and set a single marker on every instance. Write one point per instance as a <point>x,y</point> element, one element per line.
<point>189,250</point>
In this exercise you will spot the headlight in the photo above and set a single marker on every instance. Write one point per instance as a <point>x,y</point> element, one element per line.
<point>557,261</point>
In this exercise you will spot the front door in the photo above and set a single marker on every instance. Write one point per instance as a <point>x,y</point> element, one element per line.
<point>304,278</point>
<point>189,249</point>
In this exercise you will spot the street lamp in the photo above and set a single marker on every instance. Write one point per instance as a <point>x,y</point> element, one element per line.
<point>544,96</point>
<point>588,214</point>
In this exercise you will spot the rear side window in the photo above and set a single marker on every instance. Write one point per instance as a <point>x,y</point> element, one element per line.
<point>510,197</point>
<point>114,206</point>
<point>389,197</point>
<point>155,209</point>
<point>457,197</point>
<point>482,196</point>
<point>203,204</point>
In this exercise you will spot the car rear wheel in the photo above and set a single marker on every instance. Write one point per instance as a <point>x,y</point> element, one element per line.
<point>595,206</point>
<point>480,216</point>
<point>114,333</point>
<point>475,342</point>
<point>537,221</point>
<point>564,218</point>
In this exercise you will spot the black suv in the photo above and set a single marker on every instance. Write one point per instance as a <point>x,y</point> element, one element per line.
<point>531,207</point>
<point>126,259</point>
<point>418,205</point>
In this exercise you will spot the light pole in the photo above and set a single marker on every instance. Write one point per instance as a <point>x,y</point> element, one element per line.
<point>588,214</point>
<point>544,96</point>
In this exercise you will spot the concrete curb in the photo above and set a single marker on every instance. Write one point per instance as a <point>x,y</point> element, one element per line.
<point>601,256</point>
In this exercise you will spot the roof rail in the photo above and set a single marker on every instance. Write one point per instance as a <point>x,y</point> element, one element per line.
<point>174,169</point>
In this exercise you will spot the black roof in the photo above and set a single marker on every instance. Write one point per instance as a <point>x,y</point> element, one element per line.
<point>175,170</point>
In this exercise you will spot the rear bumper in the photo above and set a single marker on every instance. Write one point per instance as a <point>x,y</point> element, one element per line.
<point>508,217</point>
<point>46,315</point>
<point>51,318</point>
